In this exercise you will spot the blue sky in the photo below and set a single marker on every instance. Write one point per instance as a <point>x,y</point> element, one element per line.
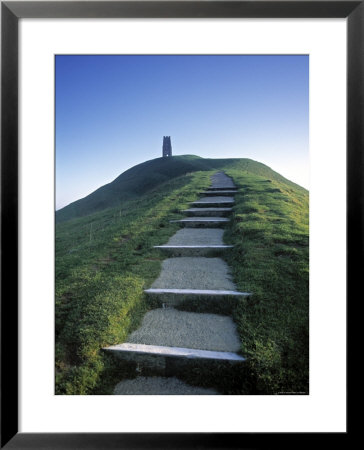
<point>112,112</point>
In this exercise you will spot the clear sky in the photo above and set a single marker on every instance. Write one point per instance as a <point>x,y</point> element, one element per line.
<point>112,112</point>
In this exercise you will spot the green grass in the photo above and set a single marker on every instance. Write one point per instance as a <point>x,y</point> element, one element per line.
<point>270,259</point>
<point>103,263</point>
<point>105,260</point>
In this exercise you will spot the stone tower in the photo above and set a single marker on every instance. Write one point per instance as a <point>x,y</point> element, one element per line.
<point>167,147</point>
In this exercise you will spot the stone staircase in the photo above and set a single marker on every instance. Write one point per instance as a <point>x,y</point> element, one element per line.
<point>171,342</point>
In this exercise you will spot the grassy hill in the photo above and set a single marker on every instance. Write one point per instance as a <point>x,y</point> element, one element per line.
<point>104,260</point>
<point>149,175</point>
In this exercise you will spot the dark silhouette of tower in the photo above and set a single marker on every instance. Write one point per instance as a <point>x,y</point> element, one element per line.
<point>167,147</point>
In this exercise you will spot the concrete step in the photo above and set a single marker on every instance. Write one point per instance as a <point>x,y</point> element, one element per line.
<point>159,386</point>
<point>212,369</point>
<point>199,300</point>
<point>214,212</point>
<point>203,236</point>
<point>197,284</point>
<point>166,334</point>
<point>192,241</point>
<point>208,202</point>
<point>168,327</point>
<point>202,221</point>
<point>197,293</point>
<point>193,250</point>
<point>223,193</point>
<point>194,273</point>
<point>129,350</point>
<point>222,188</point>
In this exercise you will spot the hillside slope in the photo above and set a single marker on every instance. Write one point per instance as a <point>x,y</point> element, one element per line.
<point>105,259</point>
<point>145,177</point>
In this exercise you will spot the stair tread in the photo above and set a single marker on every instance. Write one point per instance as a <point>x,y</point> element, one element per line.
<point>218,192</point>
<point>207,209</point>
<point>216,198</point>
<point>202,219</point>
<point>175,351</point>
<point>211,292</point>
<point>169,327</point>
<point>194,246</point>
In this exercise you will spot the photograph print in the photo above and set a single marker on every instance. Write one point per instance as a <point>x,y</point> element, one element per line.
<point>182,225</point>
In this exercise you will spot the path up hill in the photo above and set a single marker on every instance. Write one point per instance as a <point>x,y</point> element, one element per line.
<point>107,262</point>
<point>145,177</point>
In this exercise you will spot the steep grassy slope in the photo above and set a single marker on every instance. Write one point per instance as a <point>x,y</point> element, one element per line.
<point>149,175</point>
<point>270,232</point>
<point>104,261</point>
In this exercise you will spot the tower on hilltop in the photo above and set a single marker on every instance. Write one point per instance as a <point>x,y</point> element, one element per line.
<point>167,147</point>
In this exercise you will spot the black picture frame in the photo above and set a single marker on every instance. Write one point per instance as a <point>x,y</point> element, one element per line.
<point>11,12</point>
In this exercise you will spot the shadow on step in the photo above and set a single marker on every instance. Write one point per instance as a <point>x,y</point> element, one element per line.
<point>225,305</point>
<point>228,378</point>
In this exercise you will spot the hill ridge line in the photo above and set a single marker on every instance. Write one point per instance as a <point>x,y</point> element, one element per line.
<point>145,177</point>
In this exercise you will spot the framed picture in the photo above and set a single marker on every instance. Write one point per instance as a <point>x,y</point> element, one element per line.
<point>176,30</point>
